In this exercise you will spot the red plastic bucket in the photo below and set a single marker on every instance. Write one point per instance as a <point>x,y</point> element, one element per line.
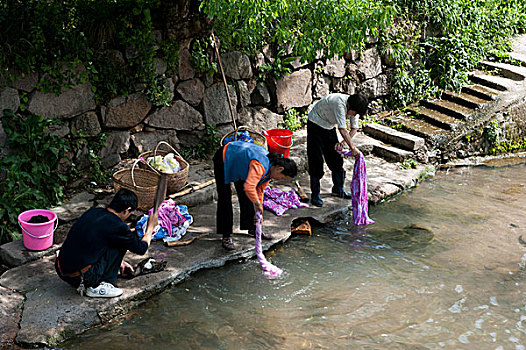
<point>279,141</point>
<point>37,236</point>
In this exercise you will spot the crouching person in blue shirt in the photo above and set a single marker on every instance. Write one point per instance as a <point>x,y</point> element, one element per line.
<point>92,254</point>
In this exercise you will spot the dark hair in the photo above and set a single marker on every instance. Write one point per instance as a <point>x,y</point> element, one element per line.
<point>358,103</point>
<point>123,200</point>
<point>289,166</point>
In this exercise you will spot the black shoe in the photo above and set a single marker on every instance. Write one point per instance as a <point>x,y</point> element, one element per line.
<point>341,194</point>
<point>316,201</point>
<point>315,192</point>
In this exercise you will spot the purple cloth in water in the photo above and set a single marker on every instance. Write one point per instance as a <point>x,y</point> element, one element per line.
<point>279,201</point>
<point>360,206</point>
<point>269,270</point>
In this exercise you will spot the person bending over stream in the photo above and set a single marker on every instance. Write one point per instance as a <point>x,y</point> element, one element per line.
<point>328,114</point>
<point>91,256</point>
<point>250,167</point>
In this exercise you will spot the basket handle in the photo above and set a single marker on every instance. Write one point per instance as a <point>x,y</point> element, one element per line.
<point>277,143</point>
<point>145,162</point>
<point>133,168</point>
<point>167,144</point>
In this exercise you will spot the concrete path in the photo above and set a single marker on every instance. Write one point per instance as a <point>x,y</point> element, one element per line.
<point>38,309</point>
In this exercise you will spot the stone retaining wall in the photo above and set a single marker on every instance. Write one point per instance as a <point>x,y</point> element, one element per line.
<point>133,124</point>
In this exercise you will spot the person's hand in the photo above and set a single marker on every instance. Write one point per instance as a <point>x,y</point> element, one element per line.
<point>356,152</point>
<point>340,146</point>
<point>153,221</point>
<point>258,206</point>
<point>126,269</point>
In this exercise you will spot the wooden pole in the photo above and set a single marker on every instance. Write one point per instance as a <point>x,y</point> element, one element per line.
<point>193,188</point>
<point>224,81</point>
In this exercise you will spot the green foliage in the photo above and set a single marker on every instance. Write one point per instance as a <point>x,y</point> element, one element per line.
<point>201,57</point>
<point>90,147</point>
<point>158,93</point>
<point>170,53</point>
<point>293,120</point>
<point>35,172</point>
<point>208,144</point>
<point>491,134</point>
<point>408,163</point>
<point>65,42</point>
<point>42,35</point>
<point>32,176</point>
<point>509,146</point>
<point>330,26</point>
<point>409,85</point>
<point>110,78</point>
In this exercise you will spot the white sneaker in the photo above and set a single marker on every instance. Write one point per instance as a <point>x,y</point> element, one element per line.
<point>104,290</point>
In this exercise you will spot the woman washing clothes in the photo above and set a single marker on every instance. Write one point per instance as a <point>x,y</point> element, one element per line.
<point>250,167</point>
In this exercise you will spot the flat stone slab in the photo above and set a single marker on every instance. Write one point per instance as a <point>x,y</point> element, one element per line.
<point>75,207</point>
<point>390,153</point>
<point>10,312</point>
<point>496,82</point>
<point>394,137</point>
<point>490,161</point>
<point>15,254</point>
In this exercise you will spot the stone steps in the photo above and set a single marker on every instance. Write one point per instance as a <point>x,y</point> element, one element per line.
<point>397,138</point>
<point>390,153</point>
<point>434,117</point>
<point>506,70</point>
<point>465,99</point>
<point>439,120</point>
<point>519,57</point>
<point>416,127</point>
<point>482,92</point>
<point>491,81</point>
<point>449,108</point>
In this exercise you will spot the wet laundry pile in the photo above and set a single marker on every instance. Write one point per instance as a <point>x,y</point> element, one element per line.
<point>279,201</point>
<point>174,220</point>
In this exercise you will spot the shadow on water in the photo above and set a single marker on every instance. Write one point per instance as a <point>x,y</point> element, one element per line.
<point>410,238</point>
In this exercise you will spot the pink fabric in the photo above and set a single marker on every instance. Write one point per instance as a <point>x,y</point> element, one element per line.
<point>279,201</point>
<point>169,215</point>
<point>360,205</point>
<point>269,270</point>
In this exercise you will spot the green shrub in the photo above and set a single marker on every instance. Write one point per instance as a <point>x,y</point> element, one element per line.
<point>208,144</point>
<point>201,56</point>
<point>31,171</point>
<point>293,120</point>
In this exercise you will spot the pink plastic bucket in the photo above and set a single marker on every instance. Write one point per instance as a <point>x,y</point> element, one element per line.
<point>37,236</point>
<point>279,141</point>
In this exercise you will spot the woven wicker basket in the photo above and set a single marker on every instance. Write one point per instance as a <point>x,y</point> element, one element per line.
<point>175,181</point>
<point>258,137</point>
<point>141,181</point>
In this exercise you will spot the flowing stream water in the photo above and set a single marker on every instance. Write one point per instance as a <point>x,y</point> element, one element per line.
<point>442,267</point>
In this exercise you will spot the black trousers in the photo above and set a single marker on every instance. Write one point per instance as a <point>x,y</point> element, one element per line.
<point>320,145</point>
<point>224,214</point>
<point>104,270</point>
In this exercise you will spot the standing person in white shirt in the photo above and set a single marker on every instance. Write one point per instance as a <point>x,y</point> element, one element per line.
<point>329,113</point>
